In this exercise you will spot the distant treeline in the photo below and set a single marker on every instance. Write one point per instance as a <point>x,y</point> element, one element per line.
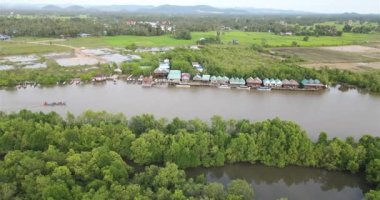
<point>56,27</point>
<point>116,24</point>
<point>50,157</point>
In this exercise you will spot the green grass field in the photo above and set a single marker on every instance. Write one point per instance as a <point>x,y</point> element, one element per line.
<point>278,41</point>
<point>16,48</point>
<point>122,41</point>
<point>244,38</point>
<point>18,45</point>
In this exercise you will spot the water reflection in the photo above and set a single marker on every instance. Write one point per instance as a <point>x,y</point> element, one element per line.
<point>291,182</point>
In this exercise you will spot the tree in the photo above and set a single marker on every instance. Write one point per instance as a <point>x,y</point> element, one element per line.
<point>218,124</point>
<point>214,191</point>
<point>322,138</point>
<point>373,172</point>
<point>149,148</point>
<point>56,191</point>
<point>8,191</point>
<point>83,157</point>
<point>143,123</point>
<point>182,34</point>
<point>169,177</point>
<point>372,195</point>
<point>132,46</point>
<point>347,28</point>
<point>306,38</point>
<point>240,188</point>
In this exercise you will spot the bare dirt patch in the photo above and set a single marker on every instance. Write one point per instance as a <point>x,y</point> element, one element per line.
<point>352,57</point>
<point>345,66</point>
<point>353,49</point>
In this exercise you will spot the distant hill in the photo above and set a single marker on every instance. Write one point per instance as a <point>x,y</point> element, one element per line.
<point>183,9</point>
<point>197,9</point>
<point>51,7</point>
<point>191,9</point>
<point>75,7</point>
<point>118,8</point>
<point>274,11</point>
<point>162,9</point>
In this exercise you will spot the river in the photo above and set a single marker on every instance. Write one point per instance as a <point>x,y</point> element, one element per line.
<point>290,182</point>
<point>340,114</point>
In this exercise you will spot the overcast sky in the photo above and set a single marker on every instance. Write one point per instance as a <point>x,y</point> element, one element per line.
<point>323,6</point>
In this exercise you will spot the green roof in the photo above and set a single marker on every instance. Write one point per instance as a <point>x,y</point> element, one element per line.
<point>174,75</point>
<point>237,81</point>
<point>205,77</point>
<point>310,81</point>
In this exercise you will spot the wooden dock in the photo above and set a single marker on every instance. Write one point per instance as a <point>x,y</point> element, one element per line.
<point>297,89</point>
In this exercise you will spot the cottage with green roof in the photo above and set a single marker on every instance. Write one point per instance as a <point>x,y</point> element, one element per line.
<point>278,83</point>
<point>214,80</point>
<point>237,82</point>
<point>174,76</point>
<point>312,84</point>
<point>206,78</point>
<point>266,82</point>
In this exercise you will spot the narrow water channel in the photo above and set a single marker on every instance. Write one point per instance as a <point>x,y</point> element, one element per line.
<point>294,183</point>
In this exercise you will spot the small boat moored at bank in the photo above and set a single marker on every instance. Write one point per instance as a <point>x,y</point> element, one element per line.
<point>60,103</point>
<point>243,88</point>
<point>264,88</point>
<point>183,85</point>
<point>224,87</point>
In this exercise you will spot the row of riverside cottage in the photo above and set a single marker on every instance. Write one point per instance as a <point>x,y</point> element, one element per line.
<point>177,77</point>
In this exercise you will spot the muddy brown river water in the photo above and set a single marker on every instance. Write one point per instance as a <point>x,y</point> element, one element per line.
<point>340,114</point>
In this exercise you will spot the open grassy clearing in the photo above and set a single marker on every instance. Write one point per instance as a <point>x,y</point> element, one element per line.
<point>353,66</point>
<point>22,46</point>
<point>354,57</point>
<point>278,41</point>
<point>322,55</point>
<point>122,41</point>
<point>16,48</point>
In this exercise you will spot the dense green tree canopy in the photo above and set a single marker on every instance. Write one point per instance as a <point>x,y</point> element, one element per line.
<point>85,157</point>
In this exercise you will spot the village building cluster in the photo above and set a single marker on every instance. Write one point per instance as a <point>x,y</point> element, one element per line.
<point>184,79</point>
<point>165,26</point>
